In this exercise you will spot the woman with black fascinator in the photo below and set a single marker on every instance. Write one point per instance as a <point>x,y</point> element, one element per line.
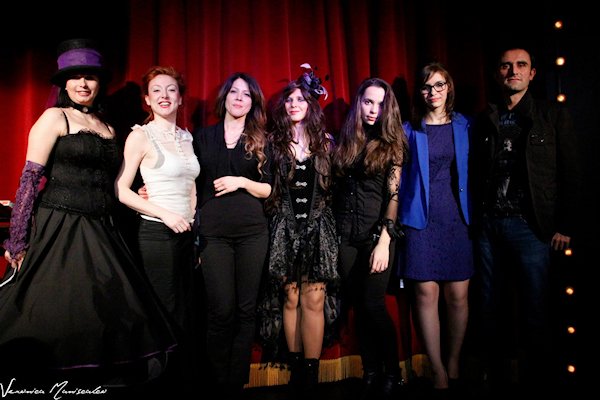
<point>74,306</point>
<point>302,263</point>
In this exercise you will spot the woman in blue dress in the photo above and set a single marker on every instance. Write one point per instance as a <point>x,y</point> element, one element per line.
<point>437,255</point>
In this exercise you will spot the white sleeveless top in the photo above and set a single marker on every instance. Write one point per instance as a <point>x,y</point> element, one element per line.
<point>169,182</point>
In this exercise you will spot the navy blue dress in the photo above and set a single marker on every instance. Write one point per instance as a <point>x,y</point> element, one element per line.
<point>442,251</point>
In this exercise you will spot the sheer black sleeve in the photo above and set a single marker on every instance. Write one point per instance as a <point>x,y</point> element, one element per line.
<point>390,215</point>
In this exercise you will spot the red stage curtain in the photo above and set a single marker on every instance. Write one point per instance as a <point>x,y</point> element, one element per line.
<point>346,40</point>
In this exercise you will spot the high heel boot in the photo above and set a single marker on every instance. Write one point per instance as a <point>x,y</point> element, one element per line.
<point>296,366</point>
<point>370,383</point>
<point>311,375</point>
<point>391,385</point>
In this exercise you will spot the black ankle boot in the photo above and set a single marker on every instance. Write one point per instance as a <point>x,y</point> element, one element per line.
<point>296,367</point>
<point>370,383</point>
<point>311,375</point>
<point>391,385</point>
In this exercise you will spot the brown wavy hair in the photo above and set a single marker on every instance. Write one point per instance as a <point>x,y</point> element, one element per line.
<point>388,148</point>
<point>254,125</point>
<point>280,138</point>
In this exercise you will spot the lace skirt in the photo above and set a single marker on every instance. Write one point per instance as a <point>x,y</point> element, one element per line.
<point>309,253</point>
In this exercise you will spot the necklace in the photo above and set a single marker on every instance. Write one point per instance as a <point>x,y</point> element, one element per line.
<point>84,109</point>
<point>233,130</point>
<point>233,142</point>
<point>172,134</point>
<point>300,149</point>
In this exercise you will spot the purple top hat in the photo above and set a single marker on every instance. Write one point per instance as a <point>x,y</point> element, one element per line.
<point>77,56</point>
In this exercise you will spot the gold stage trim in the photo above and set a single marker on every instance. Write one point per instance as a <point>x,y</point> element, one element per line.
<point>331,370</point>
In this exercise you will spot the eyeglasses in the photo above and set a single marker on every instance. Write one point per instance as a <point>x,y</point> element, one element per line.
<point>438,87</point>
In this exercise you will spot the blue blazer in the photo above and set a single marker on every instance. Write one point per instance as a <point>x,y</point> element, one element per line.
<point>414,187</point>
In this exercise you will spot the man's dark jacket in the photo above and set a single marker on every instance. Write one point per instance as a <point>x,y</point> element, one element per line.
<point>552,160</point>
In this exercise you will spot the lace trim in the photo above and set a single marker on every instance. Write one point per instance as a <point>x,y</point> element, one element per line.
<point>90,132</point>
<point>178,135</point>
<point>22,212</point>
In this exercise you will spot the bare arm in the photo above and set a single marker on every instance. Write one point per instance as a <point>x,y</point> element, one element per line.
<point>136,149</point>
<point>43,135</point>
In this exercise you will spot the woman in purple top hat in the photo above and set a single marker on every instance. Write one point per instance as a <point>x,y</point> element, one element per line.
<point>74,306</point>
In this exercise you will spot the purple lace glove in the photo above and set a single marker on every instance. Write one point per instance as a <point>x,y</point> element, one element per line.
<point>22,212</point>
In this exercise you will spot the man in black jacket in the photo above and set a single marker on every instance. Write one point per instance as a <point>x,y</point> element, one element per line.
<point>526,185</point>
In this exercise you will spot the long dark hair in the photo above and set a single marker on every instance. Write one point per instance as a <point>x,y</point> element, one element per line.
<point>255,122</point>
<point>388,147</point>
<point>280,138</point>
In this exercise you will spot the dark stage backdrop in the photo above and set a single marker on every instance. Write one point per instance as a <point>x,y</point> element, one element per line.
<point>346,40</point>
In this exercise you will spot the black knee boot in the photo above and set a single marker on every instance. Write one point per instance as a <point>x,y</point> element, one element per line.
<point>296,367</point>
<point>311,374</point>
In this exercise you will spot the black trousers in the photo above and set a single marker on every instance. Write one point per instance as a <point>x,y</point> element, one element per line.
<point>365,292</point>
<point>168,260</point>
<point>231,271</point>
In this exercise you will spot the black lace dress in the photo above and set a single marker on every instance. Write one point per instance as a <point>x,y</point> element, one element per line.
<point>79,301</point>
<point>303,247</point>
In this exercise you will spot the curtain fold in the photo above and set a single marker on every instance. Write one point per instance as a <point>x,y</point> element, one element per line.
<point>346,40</point>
